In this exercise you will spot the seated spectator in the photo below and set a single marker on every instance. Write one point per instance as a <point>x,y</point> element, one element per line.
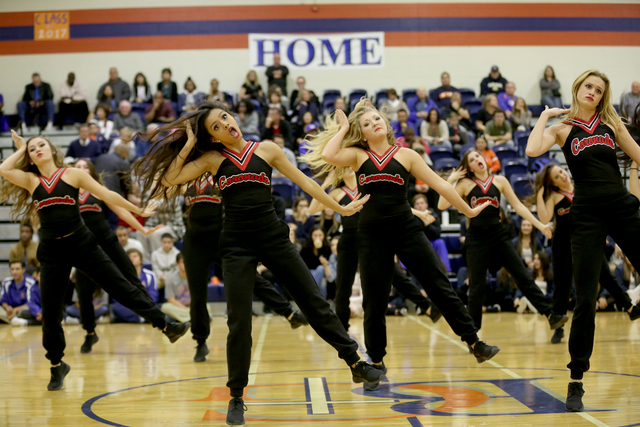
<point>279,141</point>
<point>84,146</point>
<point>442,95</point>
<point>128,243</point>
<point>125,118</point>
<point>485,114</point>
<point>251,88</point>
<point>100,307</point>
<point>541,273</point>
<point>191,97</point>
<point>420,105</point>
<point>102,120</point>
<point>160,111</point>
<point>275,101</point>
<point>630,101</point>
<point>421,148</point>
<point>176,292</point>
<point>307,104</point>
<point>498,130</point>
<point>73,102</point>
<point>13,299</point>
<point>458,134</point>
<point>404,121</point>
<point>527,243</point>
<point>494,83</point>
<point>26,250</point>
<point>300,127</point>
<point>521,116</point>
<point>507,99</point>
<point>32,316</point>
<point>148,279</point>
<point>168,87</point>
<point>284,99</point>
<point>167,220</point>
<point>277,73</point>
<point>114,168</point>
<point>296,95</point>
<point>141,92</point>
<point>247,118</point>
<point>119,88</point>
<point>144,144</point>
<point>493,162</point>
<point>215,94</point>
<point>393,104</point>
<point>410,138</point>
<point>434,130</point>
<point>274,124</point>
<point>163,259</point>
<point>458,107</point>
<point>107,98</point>
<point>96,136</point>
<point>316,253</point>
<point>550,89</point>
<point>311,132</point>
<point>37,102</point>
<point>329,222</point>
<point>302,219</point>
<point>432,228</point>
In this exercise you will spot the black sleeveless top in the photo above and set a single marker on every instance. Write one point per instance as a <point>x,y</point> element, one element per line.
<point>484,191</point>
<point>91,209</point>
<point>561,212</point>
<point>205,205</point>
<point>56,203</point>
<point>245,182</point>
<point>386,180</point>
<point>590,151</point>
<point>349,222</point>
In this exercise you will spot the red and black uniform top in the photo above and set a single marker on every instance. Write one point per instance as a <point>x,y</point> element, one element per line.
<point>204,203</point>
<point>349,222</point>
<point>91,208</point>
<point>385,180</point>
<point>484,191</point>
<point>56,203</point>
<point>561,212</point>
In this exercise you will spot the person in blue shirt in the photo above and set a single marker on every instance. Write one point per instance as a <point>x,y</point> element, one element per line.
<point>14,292</point>
<point>420,105</point>
<point>148,279</point>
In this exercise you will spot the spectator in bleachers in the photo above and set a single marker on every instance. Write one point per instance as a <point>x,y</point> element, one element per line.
<point>316,253</point>
<point>422,105</point>
<point>32,315</point>
<point>442,95</point>
<point>410,138</point>
<point>401,125</point>
<point>215,94</point>
<point>36,101</point>
<point>277,73</point>
<point>301,127</point>
<point>114,167</point>
<point>307,104</point>
<point>458,134</point>
<point>163,259</point>
<point>630,101</point>
<point>148,279</point>
<point>176,292</point>
<point>494,83</point>
<point>73,102</point>
<point>26,250</point>
<point>251,88</point>
<point>128,243</point>
<point>191,97</point>
<point>457,106</point>
<point>302,219</point>
<point>275,101</point>
<point>550,89</point>
<point>507,99</point>
<point>275,124</point>
<point>485,114</point>
<point>13,296</point>
<point>330,224</point>
<point>627,278</point>
<point>434,130</point>
<point>160,111</point>
<point>107,98</point>
<point>169,217</point>
<point>120,88</point>
<point>247,118</point>
<point>528,242</point>
<point>100,307</point>
<point>544,279</point>
<point>96,136</point>
<point>493,162</point>
<point>142,146</point>
<point>84,146</point>
<point>420,147</point>
<point>498,130</point>
<point>102,120</point>
<point>141,90</point>
<point>432,228</point>
<point>168,87</point>
<point>340,104</point>
<point>279,141</point>
<point>393,104</point>
<point>125,118</point>
<point>521,116</point>
<point>296,95</point>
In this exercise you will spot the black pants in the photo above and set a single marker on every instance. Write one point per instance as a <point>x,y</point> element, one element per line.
<point>404,236</point>
<point>346,273</point>
<point>493,243</point>
<point>200,250</point>
<point>266,239</point>
<point>72,113</point>
<point>591,222</point>
<point>31,319</point>
<point>81,250</point>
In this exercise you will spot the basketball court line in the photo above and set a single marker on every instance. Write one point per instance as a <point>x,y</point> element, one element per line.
<point>255,360</point>
<point>509,372</point>
<point>16,353</point>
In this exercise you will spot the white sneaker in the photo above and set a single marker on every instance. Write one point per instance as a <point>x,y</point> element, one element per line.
<point>103,320</point>
<point>49,127</point>
<point>17,321</point>
<point>71,321</point>
<point>522,305</point>
<point>634,294</point>
<point>23,128</point>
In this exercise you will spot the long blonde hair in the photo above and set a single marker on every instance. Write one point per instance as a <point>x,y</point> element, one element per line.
<point>22,206</point>
<point>608,114</point>
<point>353,138</point>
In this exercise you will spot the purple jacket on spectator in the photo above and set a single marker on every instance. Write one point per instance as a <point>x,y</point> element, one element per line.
<point>506,102</point>
<point>15,294</point>
<point>418,106</point>
<point>397,130</point>
<point>33,299</point>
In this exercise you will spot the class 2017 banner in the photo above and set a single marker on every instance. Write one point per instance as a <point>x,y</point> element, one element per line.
<point>318,51</point>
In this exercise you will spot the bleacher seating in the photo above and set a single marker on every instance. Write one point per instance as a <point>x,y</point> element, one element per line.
<point>520,138</point>
<point>330,95</point>
<point>514,166</point>
<point>356,95</point>
<point>440,152</point>
<point>408,94</point>
<point>504,152</point>
<point>444,165</point>
<point>380,96</point>
<point>522,185</point>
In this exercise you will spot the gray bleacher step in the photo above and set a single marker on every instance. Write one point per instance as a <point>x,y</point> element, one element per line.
<point>10,231</point>
<point>5,271</point>
<point>5,248</point>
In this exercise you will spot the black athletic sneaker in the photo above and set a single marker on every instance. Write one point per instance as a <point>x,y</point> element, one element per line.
<point>557,320</point>
<point>373,385</point>
<point>57,376</point>
<point>235,413</point>
<point>635,313</point>
<point>557,336</point>
<point>484,352</point>
<point>201,352</point>
<point>366,372</point>
<point>89,341</point>
<point>174,331</point>
<point>298,320</point>
<point>574,397</point>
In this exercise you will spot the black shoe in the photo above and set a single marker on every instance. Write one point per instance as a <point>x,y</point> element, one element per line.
<point>298,320</point>
<point>235,413</point>
<point>57,376</point>
<point>174,331</point>
<point>89,341</point>
<point>366,372</point>
<point>557,320</point>
<point>484,352</point>
<point>470,348</point>
<point>557,336</point>
<point>574,397</point>
<point>201,353</point>
<point>435,314</point>
<point>635,313</point>
<point>373,385</point>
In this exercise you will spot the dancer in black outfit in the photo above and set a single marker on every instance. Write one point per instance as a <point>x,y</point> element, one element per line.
<point>251,231</point>
<point>35,170</point>
<point>589,134</point>
<point>387,226</point>
<point>488,239</point>
<point>554,194</point>
<point>200,250</point>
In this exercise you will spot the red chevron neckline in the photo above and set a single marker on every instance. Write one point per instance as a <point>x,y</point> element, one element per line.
<point>381,161</point>
<point>589,126</point>
<point>351,192</point>
<point>569,196</point>
<point>83,195</point>
<point>241,160</point>
<point>49,183</point>
<point>201,186</point>
<point>484,185</point>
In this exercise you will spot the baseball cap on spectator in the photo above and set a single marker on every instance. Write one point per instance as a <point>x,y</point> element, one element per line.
<point>310,127</point>
<point>494,68</point>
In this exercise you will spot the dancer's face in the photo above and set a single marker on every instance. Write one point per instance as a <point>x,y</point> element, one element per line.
<point>39,151</point>
<point>559,176</point>
<point>373,126</point>
<point>591,91</point>
<point>222,127</point>
<point>82,165</point>
<point>477,163</point>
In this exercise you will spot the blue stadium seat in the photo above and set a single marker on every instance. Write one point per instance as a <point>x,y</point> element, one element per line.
<point>330,95</point>
<point>532,160</point>
<point>439,155</point>
<point>381,96</point>
<point>251,137</point>
<point>467,147</point>
<point>514,166</point>
<point>356,94</point>
<point>230,98</point>
<point>285,188</point>
<point>520,138</point>
<point>471,137</point>
<point>446,164</point>
<point>408,93</point>
<point>473,106</point>
<point>522,185</point>
<point>504,152</point>
<point>453,242</point>
<point>256,105</point>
